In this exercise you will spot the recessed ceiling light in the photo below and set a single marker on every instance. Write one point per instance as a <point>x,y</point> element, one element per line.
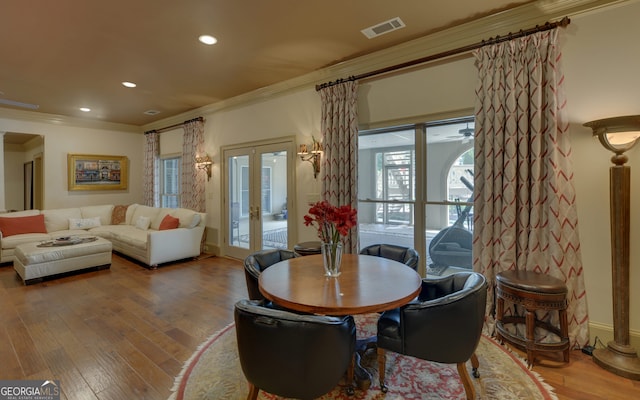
<point>85,109</point>
<point>129,84</point>
<point>207,39</point>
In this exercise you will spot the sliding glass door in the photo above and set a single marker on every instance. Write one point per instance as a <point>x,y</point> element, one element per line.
<point>415,189</point>
<point>258,187</point>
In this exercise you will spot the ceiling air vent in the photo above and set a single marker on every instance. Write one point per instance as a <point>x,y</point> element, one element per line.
<point>383,27</point>
<point>152,112</point>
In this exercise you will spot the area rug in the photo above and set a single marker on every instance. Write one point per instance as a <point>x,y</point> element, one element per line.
<point>214,372</point>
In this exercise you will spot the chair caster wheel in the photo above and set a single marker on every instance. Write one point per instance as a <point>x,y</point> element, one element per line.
<point>350,391</point>
<point>384,388</point>
<point>475,373</point>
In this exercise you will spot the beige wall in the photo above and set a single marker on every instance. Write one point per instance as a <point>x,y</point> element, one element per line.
<point>601,68</point>
<point>59,140</point>
<point>601,81</point>
<point>294,114</point>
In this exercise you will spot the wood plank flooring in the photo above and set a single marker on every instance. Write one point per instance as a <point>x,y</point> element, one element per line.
<point>124,333</point>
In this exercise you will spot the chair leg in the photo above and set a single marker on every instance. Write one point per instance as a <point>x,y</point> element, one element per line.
<point>466,381</point>
<point>382,361</point>
<point>253,392</point>
<point>475,364</point>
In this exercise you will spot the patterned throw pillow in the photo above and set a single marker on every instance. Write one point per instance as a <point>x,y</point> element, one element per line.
<point>119,214</point>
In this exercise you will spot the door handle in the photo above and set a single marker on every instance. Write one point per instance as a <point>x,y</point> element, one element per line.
<point>254,213</point>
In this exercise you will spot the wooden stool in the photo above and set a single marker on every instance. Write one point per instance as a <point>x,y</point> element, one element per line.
<point>307,248</point>
<point>533,291</point>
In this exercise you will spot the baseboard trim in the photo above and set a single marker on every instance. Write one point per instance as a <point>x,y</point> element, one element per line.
<point>604,333</point>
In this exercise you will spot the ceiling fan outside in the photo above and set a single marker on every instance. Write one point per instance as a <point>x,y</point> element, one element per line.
<point>466,133</point>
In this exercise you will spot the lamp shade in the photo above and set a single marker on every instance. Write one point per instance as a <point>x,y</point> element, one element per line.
<point>617,134</point>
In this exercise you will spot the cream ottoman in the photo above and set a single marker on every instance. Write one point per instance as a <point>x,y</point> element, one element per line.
<point>35,261</point>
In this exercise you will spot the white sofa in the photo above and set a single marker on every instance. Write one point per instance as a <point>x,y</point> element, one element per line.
<point>138,236</point>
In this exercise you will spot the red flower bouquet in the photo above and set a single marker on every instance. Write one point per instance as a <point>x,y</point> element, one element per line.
<point>332,222</point>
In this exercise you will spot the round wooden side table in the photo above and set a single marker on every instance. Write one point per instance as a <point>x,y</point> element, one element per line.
<point>533,291</point>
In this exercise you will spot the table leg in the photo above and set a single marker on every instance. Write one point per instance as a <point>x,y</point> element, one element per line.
<point>362,377</point>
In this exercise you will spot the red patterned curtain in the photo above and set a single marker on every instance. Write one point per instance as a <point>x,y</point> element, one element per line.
<point>525,215</point>
<point>339,128</point>
<point>150,179</point>
<point>192,192</point>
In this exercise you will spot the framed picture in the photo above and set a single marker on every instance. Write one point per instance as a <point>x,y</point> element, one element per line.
<point>97,172</point>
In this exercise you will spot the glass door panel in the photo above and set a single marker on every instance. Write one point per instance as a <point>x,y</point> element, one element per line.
<point>386,187</point>
<point>274,199</point>
<point>238,195</point>
<point>258,186</point>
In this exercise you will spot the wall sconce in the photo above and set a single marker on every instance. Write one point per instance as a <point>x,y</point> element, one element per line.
<point>312,156</point>
<point>205,163</point>
<point>619,134</point>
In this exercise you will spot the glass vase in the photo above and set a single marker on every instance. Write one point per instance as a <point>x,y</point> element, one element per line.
<point>331,257</point>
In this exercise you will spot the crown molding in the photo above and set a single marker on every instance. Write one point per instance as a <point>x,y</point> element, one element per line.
<point>54,119</point>
<point>502,23</point>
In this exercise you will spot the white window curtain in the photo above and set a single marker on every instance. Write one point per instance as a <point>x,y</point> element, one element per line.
<point>193,180</point>
<point>525,214</point>
<point>151,179</point>
<point>339,129</point>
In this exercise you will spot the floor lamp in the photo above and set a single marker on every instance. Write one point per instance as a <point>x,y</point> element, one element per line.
<point>619,134</point>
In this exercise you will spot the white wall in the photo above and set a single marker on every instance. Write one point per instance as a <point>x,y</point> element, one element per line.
<point>14,160</point>
<point>60,140</point>
<point>601,66</point>
<point>293,114</point>
<point>601,80</point>
<point>15,157</point>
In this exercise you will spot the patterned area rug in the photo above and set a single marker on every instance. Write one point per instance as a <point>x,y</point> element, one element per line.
<point>214,372</point>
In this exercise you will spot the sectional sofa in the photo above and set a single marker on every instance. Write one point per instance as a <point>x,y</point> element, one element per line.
<point>150,235</point>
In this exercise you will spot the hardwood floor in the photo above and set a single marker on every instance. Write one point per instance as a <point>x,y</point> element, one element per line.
<point>125,333</point>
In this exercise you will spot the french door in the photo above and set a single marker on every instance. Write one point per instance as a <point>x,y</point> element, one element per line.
<point>258,196</point>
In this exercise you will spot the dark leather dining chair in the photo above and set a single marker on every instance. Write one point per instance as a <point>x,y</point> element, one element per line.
<point>293,355</point>
<point>405,255</point>
<point>257,262</point>
<point>444,324</point>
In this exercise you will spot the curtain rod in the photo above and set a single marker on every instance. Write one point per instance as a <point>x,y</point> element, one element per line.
<point>170,127</point>
<point>464,49</point>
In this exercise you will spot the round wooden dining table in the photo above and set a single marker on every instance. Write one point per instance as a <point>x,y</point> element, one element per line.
<point>366,284</point>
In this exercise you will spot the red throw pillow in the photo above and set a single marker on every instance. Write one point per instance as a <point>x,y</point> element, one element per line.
<point>17,225</point>
<point>169,222</point>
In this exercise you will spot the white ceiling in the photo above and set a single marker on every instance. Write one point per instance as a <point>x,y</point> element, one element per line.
<point>65,54</point>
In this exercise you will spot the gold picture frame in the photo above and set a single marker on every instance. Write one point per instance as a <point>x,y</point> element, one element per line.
<point>97,172</point>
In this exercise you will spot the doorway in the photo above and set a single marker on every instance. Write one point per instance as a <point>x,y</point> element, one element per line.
<point>258,192</point>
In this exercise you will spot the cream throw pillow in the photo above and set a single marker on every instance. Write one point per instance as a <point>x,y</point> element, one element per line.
<point>143,223</point>
<point>84,223</point>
